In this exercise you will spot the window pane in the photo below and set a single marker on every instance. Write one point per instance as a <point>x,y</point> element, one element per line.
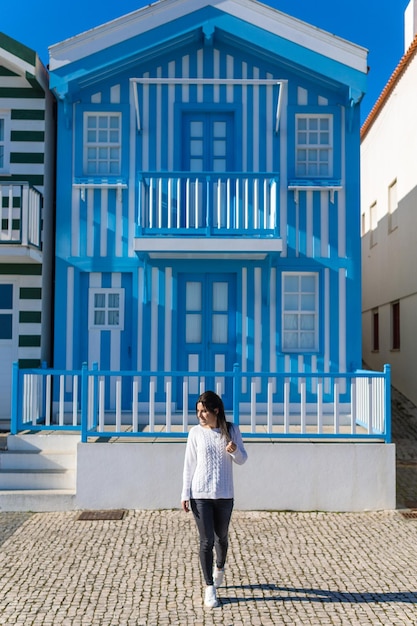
<point>307,322</point>
<point>193,328</point>
<point>308,302</point>
<point>114,299</point>
<point>219,129</point>
<point>6,326</point>
<point>99,318</point>
<point>290,302</point>
<point>290,341</point>
<point>196,129</point>
<point>220,296</point>
<point>307,341</point>
<point>219,328</point>
<point>99,300</point>
<point>113,318</point>
<point>290,322</point>
<point>308,284</point>
<point>193,296</point>
<point>196,148</point>
<point>291,283</point>
<point>6,296</point>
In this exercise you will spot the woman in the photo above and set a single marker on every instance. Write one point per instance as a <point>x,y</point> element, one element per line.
<point>207,490</point>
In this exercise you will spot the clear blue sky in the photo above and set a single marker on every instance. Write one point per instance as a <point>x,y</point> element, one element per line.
<point>377,25</point>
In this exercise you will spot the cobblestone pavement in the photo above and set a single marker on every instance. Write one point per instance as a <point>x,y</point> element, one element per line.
<point>284,568</point>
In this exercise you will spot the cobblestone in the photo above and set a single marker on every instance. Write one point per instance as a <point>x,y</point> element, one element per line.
<point>284,568</point>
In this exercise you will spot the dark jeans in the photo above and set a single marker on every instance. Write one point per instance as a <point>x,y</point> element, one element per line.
<point>212,518</point>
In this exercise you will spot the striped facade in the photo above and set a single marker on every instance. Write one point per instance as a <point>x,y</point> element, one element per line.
<point>138,232</point>
<point>26,192</point>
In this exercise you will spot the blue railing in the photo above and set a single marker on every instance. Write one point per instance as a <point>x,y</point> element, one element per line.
<point>284,405</point>
<point>223,204</point>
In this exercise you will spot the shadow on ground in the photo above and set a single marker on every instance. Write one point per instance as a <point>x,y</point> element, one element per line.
<point>404,435</point>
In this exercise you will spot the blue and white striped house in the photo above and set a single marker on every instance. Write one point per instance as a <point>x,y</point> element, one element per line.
<point>208,193</point>
<point>207,236</point>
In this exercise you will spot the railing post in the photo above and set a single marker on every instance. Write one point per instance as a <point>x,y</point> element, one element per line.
<point>95,396</point>
<point>387,408</point>
<point>14,428</point>
<point>84,403</point>
<point>236,393</point>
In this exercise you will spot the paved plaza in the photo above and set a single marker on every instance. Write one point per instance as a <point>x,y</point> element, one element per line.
<point>283,568</point>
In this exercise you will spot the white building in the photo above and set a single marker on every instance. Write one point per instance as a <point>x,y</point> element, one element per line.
<point>389,221</point>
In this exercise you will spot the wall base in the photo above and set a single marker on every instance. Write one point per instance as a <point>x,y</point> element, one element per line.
<point>342,477</point>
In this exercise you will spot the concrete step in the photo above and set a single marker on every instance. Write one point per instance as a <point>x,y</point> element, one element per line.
<point>39,441</point>
<point>36,460</point>
<point>37,479</point>
<point>37,500</point>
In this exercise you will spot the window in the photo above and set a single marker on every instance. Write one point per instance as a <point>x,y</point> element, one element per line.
<point>392,206</point>
<point>375,331</point>
<point>373,224</point>
<point>314,146</point>
<point>102,144</point>
<point>106,309</point>
<point>4,143</point>
<point>395,326</point>
<point>6,311</point>
<point>300,312</point>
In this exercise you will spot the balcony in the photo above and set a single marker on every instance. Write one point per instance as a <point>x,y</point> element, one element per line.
<point>20,222</point>
<point>208,214</point>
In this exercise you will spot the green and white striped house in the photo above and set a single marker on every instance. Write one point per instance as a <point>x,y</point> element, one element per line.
<point>27,164</point>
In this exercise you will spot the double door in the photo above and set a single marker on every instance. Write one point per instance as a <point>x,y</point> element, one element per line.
<point>207,332</point>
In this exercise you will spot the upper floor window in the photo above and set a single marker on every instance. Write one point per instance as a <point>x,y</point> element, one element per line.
<point>392,206</point>
<point>395,326</point>
<point>314,146</point>
<point>300,311</point>
<point>4,142</point>
<point>102,144</point>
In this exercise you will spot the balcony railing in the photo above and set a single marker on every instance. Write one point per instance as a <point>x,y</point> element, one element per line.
<point>20,214</point>
<point>208,204</point>
<point>267,405</point>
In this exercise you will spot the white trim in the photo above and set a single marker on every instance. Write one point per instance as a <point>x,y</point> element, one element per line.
<point>160,13</point>
<point>106,291</point>
<point>5,116</point>
<point>200,245</point>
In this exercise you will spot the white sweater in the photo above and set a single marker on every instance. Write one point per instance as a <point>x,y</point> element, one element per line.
<point>208,468</point>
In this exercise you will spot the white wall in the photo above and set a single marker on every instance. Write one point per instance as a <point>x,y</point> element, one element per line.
<point>389,268</point>
<point>277,476</point>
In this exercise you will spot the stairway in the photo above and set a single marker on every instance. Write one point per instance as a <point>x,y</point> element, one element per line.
<point>38,472</point>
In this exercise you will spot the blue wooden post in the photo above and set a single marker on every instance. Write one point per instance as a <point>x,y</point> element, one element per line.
<point>14,428</point>
<point>236,393</point>
<point>84,403</point>
<point>387,372</point>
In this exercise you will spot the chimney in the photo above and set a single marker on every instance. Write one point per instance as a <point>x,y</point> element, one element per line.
<point>410,24</point>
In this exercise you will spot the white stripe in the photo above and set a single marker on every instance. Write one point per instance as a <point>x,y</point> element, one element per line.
<point>140,320</point>
<point>69,359</point>
<point>119,225</point>
<point>171,104</point>
<point>258,320</point>
<point>326,320</point>
<point>168,318</point>
<point>273,320</point>
<point>309,224</point>
<point>132,174</point>
<point>104,222</point>
<point>158,117</point>
<point>75,222</point>
<point>283,174</point>
<point>255,121</point>
<point>90,222</point>
<point>154,319</point>
<point>342,320</point>
<point>324,209</point>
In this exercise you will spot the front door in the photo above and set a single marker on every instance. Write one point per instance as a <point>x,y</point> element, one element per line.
<point>207,332</point>
<point>8,345</point>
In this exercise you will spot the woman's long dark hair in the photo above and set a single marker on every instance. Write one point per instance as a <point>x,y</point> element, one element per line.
<point>212,401</point>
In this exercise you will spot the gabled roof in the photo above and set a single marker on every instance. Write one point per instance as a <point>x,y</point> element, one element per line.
<point>23,61</point>
<point>395,77</point>
<point>169,20</point>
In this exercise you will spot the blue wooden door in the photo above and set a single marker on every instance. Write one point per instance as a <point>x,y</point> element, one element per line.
<point>208,149</point>
<point>207,331</point>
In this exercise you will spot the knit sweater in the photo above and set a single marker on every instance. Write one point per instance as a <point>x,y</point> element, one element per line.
<point>208,468</point>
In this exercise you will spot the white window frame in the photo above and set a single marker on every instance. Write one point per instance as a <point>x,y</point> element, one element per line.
<point>5,142</point>
<point>92,308</point>
<point>299,312</point>
<point>373,224</point>
<point>392,206</point>
<point>307,142</point>
<point>105,145</point>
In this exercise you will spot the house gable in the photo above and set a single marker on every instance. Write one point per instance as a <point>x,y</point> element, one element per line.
<point>129,40</point>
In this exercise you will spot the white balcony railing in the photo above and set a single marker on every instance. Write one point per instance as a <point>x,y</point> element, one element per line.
<point>20,214</point>
<point>208,203</point>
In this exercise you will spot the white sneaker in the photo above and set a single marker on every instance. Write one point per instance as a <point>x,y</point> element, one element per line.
<point>210,597</point>
<point>218,576</point>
